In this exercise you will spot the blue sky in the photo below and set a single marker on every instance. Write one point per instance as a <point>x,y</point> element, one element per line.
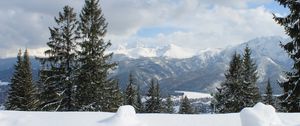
<point>196,24</point>
<point>272,6</point>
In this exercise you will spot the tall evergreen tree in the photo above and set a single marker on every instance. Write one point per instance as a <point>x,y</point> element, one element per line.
<point>58,69</point>
<point>92,76</point>
<point>22,95</point>
<point>14,101</point>
<point>269,94</point>
<point>185,106</point>
<point>240,89</point>
<point>290,100</point>
<point>154,102</point>
<point>228,97</point>
<point>250,92</point>
<point>169,105</point>
<point>30,90</point>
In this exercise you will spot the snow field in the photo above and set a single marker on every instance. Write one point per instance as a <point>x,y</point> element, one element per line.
<point>260,115</point>
<point>194,95</point>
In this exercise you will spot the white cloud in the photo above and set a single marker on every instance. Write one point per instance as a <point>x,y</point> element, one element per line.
<point>204,26</point>
<point>204,23</point>
<point>24,24</point>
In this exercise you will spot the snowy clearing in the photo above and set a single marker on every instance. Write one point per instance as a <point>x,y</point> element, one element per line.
<point>194,95</point>
<point>126,117</point>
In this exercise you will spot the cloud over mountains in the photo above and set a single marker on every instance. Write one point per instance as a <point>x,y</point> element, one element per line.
<point>188,23</point>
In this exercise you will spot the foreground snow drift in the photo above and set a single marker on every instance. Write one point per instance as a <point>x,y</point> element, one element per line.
<point>260,115</point>
<point>126,117</point>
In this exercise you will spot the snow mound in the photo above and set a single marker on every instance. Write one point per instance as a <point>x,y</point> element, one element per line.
<point>260,115</point>
<point>125,116</point>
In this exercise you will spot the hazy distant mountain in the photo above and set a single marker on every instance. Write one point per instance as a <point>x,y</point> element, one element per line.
<point>179,68</point>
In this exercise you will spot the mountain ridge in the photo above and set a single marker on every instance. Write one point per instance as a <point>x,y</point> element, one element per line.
<point>205,72</point>
<point>168,51</point>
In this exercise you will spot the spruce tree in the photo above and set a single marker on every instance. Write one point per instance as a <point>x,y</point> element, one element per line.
<point>130,93</point>
<point>169,105</point>
<point>139,103</point>
<point>228,97</point>
<point>240,89</point>
<point>59,66</point>
<point>30,91</point>
<point>290,100</point>
<point>22,95</point>
<point>185,106</point>
<point>116,98</point>
<point>154,102</point>
<point>158,99</point>
<point>269,94</point>
<point>93,83</point>
<point>14,99</point>
<point>250,93</point>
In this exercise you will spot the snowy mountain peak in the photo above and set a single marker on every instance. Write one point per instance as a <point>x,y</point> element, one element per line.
<point>262,45</point>
<point>208,53</point>
<point>174,51</point>
<point>136,52</point>
<point>169,51</point>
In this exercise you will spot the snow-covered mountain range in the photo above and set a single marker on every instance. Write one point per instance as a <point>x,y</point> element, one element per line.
<point>169,51</point>
<point>179,68</point>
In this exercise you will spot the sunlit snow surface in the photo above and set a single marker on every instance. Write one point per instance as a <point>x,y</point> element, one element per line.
<point>260,115</point>
<point>126,117</point>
